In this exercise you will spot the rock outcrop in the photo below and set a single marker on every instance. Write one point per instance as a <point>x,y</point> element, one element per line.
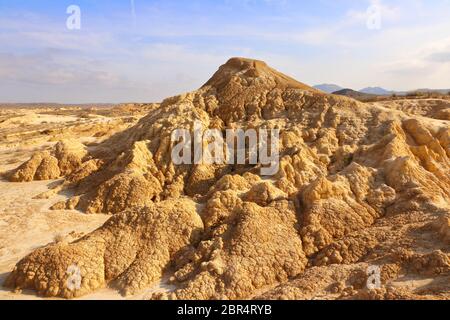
<point>65,158</point>
<point>133,248</point>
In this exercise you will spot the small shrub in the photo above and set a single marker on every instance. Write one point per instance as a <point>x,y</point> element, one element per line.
<point>58,238</point>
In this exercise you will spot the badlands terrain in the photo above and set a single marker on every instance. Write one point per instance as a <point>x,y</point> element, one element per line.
<point>361,186</point>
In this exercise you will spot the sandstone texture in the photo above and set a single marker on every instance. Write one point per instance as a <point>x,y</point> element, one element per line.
<point>359,185</point>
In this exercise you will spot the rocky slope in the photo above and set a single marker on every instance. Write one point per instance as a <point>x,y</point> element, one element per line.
<point>359,185</point>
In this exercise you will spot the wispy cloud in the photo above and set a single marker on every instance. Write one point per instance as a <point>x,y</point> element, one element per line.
<point>147,50</point>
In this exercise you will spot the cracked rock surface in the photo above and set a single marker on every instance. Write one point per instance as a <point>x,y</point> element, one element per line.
<point>359,185</point>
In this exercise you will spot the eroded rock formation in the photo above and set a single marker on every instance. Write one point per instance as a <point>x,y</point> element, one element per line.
<point>359,185</point>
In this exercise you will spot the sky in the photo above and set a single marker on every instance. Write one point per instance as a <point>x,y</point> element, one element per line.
<point>145,51</point>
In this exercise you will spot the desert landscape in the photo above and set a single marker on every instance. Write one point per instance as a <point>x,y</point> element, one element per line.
<point>93,207</point>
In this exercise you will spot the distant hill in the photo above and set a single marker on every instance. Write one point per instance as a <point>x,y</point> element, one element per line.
<point>355,94</point>
<point>328,88</point>
<point>377,91</point>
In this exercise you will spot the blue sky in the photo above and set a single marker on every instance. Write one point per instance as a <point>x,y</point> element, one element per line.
<point>163,48</point>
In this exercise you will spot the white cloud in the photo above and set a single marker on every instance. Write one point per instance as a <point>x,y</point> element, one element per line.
<point>156,60</point>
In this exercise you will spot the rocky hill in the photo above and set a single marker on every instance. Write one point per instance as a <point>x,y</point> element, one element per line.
<point>359,185</point>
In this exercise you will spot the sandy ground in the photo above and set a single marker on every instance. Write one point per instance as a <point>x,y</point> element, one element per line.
<point>27,223</point>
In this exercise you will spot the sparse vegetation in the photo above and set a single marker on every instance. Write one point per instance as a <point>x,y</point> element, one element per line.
<point>58,238</point>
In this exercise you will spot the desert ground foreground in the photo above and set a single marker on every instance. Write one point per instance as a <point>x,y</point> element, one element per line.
<point>360,187</point>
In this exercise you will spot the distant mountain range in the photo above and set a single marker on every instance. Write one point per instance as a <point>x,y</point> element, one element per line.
<point>328,88</point>
<point>332,88</point>
<point>378,91</point>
